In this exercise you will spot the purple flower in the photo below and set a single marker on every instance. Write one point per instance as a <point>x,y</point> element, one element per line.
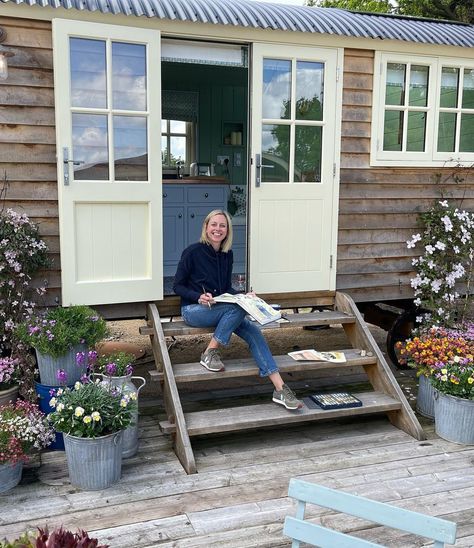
<point>111,369</point>
<point>81,359</point>
<point>128,370</point>
<point>92,357</point>
<point>61,375</point>
<point>85,379</point>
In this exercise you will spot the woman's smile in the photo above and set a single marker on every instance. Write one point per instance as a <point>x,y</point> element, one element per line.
<point>217,230</point>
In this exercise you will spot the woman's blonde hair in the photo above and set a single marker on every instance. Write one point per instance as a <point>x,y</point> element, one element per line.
<point>227,242</point>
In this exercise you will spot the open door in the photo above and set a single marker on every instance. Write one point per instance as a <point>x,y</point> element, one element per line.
<point>293,185</point>
<point>108,101</point>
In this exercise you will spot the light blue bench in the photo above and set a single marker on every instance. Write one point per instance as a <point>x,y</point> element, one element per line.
<point>439,530</point>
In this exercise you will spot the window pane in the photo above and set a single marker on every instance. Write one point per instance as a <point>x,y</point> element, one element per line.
<point>276,100</point>
<point>468,89</point>
<point>446,132</point>
<point>129,76</point>
<point>309,90</point>
<point>393,130</point>
<point>395,88</point>
<point>416,127</point>
<point>308,154</point>
<point>418,95</point>
<point>466,143</point>
<point>177,127</point>
<point>90,146</point>
<point>178,150</point>
<point>449,87</point>
<point>276,152</point>
<point>130,148</point>
<point>163,126</point>
<point>88,66</point>
<point>164,151</point>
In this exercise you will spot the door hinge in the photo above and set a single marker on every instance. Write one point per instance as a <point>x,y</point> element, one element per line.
<point>330,260</point>
<point>334,169</point>
<point>338,72</point>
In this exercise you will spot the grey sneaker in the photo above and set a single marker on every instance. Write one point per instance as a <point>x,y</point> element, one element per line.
<point>286,397</point>
<point>211,360</point>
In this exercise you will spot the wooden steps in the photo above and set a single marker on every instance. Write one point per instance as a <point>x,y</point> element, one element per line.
<point>386,396</point>
<point>233,419</point>
<point>246,367</point>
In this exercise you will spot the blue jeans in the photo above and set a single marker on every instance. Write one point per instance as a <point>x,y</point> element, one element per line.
<point>228,319</point>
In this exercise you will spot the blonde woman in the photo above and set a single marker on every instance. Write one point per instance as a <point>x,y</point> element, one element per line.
<point>205,271</point>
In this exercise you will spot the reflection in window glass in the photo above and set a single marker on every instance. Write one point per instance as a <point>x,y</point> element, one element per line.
<point>128,76</point>
<point>466,141</point>
<point>446,132</point>
<point>449,87</point>
<point>276,100</point>
<point>418,94</point>
<point>130,148</point>
<point>395,87</point>
<point>393,130</point>
<point>88,73</point>
<point>309,90</point>
<point>177,126</point>
<point>276,152</point>
<point>416,131</point>
<point>468,89</point>
<point>90,146</point>
<point>308,140</point>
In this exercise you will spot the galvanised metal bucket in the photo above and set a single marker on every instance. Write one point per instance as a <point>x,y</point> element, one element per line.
<point>10,476</point>
<point>94,463</point>
<point>49,366</point>
<point>454,419</point>
<point>425,398</point>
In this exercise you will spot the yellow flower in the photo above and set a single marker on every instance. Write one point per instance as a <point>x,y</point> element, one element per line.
<point>470,380</point>
<point>52,402</point>
<point>87,419</point>
<point>77,385</point>
<point>444,378</point>
<point>133,396</point>
<point>123,402</point>
<point>79,412</point>
<point>96,416</point>
<point>444,371</point>
<point>60,407</point>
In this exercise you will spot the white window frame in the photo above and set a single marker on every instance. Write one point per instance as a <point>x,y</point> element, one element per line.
<point>430,157</point>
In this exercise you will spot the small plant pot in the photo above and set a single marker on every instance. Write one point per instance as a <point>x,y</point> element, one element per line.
<point>454,419</point>
<point>425,399</point>
<point>49,366</point>
<point>9,395</point>
<point>10,476</point>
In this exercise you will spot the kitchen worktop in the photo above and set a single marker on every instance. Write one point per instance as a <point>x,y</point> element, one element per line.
<point>196,180</point>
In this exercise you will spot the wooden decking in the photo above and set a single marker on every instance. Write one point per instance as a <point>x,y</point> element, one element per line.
<point>238,498</point>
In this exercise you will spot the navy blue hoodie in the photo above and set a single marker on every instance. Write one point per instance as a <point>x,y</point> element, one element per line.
<point>203,270</point>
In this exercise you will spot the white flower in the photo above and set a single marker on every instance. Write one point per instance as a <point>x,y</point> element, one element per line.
<point>448,224</point>
<point>440,245</point>
<point>444,203</point>
<point>436,285</point>
<point>429,249</point>
<point>79,411</point>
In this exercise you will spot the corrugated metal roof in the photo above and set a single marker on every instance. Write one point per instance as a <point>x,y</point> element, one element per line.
<point>247,13</point>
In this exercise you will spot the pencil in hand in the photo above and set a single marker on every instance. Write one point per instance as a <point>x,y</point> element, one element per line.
<point>205,293</point>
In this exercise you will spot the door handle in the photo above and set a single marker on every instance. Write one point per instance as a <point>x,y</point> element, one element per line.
<point>258,169</point>
<point>192,215</point>
<point>66,162</point>
<point>180,215</point>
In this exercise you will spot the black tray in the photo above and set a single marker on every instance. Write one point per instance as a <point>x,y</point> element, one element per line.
<point>335,400</point>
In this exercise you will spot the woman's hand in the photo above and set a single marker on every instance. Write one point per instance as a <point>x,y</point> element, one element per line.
<point>206,299</point>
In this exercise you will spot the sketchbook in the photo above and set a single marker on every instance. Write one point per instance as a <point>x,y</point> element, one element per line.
<point>315,356</point>
<point>337,400</point>
<point>256,307</point>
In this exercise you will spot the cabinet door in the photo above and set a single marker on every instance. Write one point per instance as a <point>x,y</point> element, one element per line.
<point>195,216</point>
<point>173,241</point>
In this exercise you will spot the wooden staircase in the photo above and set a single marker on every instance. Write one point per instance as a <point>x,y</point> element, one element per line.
<point>334,308</point>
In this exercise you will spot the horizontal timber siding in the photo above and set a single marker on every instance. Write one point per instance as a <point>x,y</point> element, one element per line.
<point>379,206</point>
<point>27,137</point>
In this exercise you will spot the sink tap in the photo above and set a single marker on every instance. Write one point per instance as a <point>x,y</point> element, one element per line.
<point>179,166</point>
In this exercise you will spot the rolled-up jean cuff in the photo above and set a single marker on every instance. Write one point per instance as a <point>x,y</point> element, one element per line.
<point>263,375</point>
<point>220,341</point>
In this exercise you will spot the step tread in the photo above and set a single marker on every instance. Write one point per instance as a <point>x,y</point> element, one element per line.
<point>323,317</point>
<point>245,367</point>
<point>270,414</point>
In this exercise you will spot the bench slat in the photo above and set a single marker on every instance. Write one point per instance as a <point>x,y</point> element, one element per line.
<point>246,367</point>
<point>232,419</point>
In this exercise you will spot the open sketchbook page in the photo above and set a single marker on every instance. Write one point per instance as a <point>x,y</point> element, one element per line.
<point>261,311</point>
<point>315,356</point>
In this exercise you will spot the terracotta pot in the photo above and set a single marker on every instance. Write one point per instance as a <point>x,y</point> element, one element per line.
<point>110,347</point>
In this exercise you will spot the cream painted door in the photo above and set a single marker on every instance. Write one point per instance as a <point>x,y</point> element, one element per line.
<point>108,108</point>
<point>296,103</point>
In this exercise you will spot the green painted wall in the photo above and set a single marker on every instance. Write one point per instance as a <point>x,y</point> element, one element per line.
<point>223,99</point>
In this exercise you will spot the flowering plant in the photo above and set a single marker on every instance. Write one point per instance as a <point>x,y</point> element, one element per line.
<point>23,428</point>
<point>117,364</point>
<point>59,536</point>
<point>447,258</point>
<point>9,372</point>
<point>92,409</point>
<point>59,329</point>
<point>456,377</point>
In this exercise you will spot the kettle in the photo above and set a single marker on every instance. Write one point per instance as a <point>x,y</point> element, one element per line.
<point>193,169</point>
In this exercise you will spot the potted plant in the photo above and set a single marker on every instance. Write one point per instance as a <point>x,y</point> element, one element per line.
<point>93,416</point>
<point>57,537</point>
<point>116,369</point>
<point>9,374</point>
<point>428,351</point>
<point>23,429</point>
<point>57,336</point>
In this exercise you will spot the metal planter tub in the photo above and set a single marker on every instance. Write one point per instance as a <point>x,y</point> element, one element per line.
<point>454,419</point>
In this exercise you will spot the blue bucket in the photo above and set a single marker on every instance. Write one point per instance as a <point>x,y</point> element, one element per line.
<point>44,396</point>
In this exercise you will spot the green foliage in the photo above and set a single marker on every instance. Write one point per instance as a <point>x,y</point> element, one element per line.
<point>92,409</point>
<point>60,329</point>
<point>373,6</point>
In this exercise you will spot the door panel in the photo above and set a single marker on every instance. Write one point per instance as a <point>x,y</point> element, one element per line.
<point>109,186</point>
<point>296,104</point>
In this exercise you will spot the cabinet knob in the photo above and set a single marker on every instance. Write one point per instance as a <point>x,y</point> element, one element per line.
<point>180,215</point>
<point>206,195</point>
<point>192,215</point>
<point>164,195</point>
